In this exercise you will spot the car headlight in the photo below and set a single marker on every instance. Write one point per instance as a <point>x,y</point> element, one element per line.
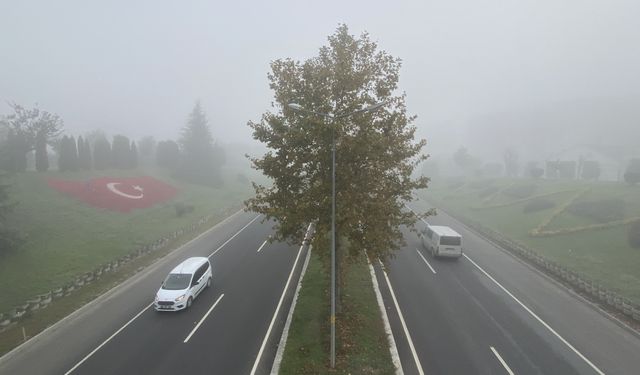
<point>180,298</point>
<point>156,299</point>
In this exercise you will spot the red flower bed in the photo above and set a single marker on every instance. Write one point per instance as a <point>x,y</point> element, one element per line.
<point>121,194</point>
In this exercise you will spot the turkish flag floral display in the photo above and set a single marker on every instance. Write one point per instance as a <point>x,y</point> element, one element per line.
<point>121,194</point>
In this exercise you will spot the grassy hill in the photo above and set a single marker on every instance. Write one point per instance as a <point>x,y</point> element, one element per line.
<point>65,237</point>
<point>581,225</point>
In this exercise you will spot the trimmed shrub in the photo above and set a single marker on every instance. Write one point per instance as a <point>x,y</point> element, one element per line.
<point>182,208</point>
<point>633,232</point>
<point>520,191</point>
<point>601,211</point>
<point>538,204</point>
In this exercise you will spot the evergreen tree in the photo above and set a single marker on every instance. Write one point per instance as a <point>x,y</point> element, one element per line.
<point>42,158</point>
<point>84,158</point>
<point>73,154</point>
<point>88,158</point>
<point>199,162</point>
<point>64,163</point>
<point>121,152</point>
<point>101,154</point>
<point>133,156</point>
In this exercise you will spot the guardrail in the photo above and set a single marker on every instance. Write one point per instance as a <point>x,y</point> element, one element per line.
<point>578,282</point>
<point>42,301</point>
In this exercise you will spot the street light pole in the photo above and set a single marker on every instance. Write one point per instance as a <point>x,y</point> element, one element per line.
<point>333,246</point>
<point>298,107</point>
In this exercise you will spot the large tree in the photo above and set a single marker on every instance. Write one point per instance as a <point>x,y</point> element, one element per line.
<point>376,151</point>
<point>200,163</point>
<point>31,127</point>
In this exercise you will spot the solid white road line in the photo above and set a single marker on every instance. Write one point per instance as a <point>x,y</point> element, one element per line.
<point>107,340</point>
<point>423,258</point>
<point>275,314</point>
<point>548,327</point>
<point>393,349</point>
<point>404,325</point>
<point>203,318</point>
<point>504,364</point>
<point>261,246</point>
<point>275,369</point>
<point>102,297</point>
<point>234,236</point>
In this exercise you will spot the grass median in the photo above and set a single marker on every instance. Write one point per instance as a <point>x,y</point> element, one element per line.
<point>361,342</point>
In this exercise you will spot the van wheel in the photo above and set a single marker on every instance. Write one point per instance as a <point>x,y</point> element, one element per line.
<point>189,302</point>
<point>209,283</point>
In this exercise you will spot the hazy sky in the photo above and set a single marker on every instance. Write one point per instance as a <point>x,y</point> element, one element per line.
<point>137,67</point>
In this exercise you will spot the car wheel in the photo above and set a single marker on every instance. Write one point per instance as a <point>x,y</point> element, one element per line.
<point>209,283</point>
<point>189,302</point>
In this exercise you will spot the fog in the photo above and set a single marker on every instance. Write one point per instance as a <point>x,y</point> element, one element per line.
<point>481,74</point>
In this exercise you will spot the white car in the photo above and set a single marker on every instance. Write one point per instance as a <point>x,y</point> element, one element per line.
<point>184,284</point>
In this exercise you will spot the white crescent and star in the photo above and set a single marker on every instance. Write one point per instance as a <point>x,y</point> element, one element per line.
<point>112,187</point>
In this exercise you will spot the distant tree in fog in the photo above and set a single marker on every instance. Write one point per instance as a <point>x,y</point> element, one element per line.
<point>8,235</point>
<point>101,153</point>
<point>511,165</point>
<point>632,174</point>
<point>133,156</point>
<point>42,157</point>
<point>146,150</point>
<point>29,128</point>
<point>168,155</point>
<point>67,154</point>
<point>13,157</point>
<point>200,161</point>
<point>121,150</point>
<point>84,153</point>
<point>590,170</point>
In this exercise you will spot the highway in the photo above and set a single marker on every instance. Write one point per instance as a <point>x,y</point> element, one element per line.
<point>485,313</point>
<point>225,331</point>
<point>489,313</point>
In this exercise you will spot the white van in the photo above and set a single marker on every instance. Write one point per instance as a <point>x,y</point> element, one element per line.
<point>442,241</point>
<point>184,283</point>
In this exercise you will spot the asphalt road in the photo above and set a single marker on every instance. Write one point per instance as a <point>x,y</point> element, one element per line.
<point>489,313</point>
<point>223,332</point>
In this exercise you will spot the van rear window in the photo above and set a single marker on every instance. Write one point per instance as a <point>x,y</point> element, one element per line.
<point>450,241</point>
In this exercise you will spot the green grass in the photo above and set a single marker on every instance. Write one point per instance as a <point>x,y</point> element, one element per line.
<point>362,346</point>
<point>307,346</point>
<point>602,255</point>
<point>65,237</point>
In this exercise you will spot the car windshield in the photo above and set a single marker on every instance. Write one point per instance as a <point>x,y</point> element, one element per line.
<point>450,241</point>
<point>177,281</point>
